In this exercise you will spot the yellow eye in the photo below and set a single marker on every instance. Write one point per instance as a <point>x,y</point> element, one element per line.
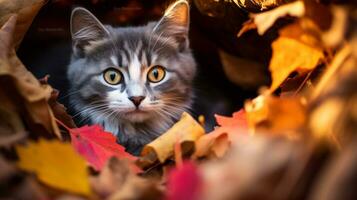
<point>112,76</point>
<point>156,74</point>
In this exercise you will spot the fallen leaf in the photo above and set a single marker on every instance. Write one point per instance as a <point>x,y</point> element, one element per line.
<point>265,20</point>
<point>187,130</point>
<point>138,188</point>
<point>216,143</point>
<point>184,183</point>
<point>261,167</point>
<point>59,110</point>
<point>293,51</point>
<point>258,5</point>
<point>238,119</point>
<point>97,146</point>
<point>22,89</point>
<point>112,177</point>
<point>26,12</point>
<point>55,164</point>
<point>267,113</point>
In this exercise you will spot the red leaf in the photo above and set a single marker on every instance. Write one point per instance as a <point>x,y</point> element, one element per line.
<point>184,183</point>
<point>97,146</point>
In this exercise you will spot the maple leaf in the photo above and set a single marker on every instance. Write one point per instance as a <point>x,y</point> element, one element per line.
<point>97,146</point>
<point>55,164</point>
<point>217,142</point>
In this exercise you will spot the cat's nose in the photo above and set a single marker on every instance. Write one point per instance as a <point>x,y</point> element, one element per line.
<point>136,100</point>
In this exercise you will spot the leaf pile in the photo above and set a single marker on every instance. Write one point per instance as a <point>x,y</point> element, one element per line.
<point>295,140</point>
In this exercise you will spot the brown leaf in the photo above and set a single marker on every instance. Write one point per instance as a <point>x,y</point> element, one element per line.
<point>59,110</point>
<point>262,167</point>
<point>112,177</point>
<point>26,12</point>
<point>24,91</point>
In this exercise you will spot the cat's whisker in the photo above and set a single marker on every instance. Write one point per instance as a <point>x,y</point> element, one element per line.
<point>69,94</point>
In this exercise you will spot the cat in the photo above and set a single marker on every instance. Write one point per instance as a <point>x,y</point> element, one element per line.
<point>134,81</point>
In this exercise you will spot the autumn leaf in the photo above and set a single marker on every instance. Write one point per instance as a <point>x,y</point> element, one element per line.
<point>295,50</point>
<point>97,146</point>
<point>258,5</point>
<point>26,12</point>
<point>187,130</point>
<point>276,115</point>
<point>263,21</point>
<point>217,142</point>
<point>55,164</point>
<point>23,92</point>
<point>59,110</point>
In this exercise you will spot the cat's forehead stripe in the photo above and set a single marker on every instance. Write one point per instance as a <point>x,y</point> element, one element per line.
<point>114,60</point>
<point>134,69</point>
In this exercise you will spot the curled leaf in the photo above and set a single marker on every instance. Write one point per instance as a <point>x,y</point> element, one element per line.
<point>186,131</point>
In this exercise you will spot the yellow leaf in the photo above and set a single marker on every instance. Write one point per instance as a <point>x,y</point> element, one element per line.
<point>290,55</point>
<point>186,131</point>
<point>55,164</point>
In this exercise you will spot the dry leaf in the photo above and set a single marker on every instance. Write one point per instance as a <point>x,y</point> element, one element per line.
<point>276,115</point>
<point>112,177</point>
<point>261,167</point>
<point>138,188</point>
<point>258,5</point>
<point>263,21</point>
<point>186,131</point>
<point>59,110</point>
<point>216,143</point>
<point>55,164</point>
<point>26,12</point>
<point>22,89</point>
<point>295,50</point>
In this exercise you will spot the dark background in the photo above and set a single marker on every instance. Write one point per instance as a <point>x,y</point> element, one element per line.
<point>46,47</point>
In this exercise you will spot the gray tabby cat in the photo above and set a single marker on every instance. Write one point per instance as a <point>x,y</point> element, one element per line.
<point>135,81</point>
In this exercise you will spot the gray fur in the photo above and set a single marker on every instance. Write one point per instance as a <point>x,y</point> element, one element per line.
<point>131,50</point>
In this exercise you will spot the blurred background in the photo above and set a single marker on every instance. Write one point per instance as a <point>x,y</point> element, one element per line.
<point>229,68</point>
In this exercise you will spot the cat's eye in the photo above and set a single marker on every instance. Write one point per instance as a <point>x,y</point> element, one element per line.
<point>112,76</point>
<point>156,74</point>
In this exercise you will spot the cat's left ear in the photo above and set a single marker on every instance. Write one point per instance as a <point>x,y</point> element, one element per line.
<point>85,29</point>
<point>175,23</point>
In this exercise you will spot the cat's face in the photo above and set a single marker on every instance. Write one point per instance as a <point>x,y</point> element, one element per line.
<point>133,74</point>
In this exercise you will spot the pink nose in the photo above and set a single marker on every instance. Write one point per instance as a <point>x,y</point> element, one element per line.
<point>137,100</point>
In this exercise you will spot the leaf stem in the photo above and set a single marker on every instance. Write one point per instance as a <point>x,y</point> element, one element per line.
<point>63,125</point>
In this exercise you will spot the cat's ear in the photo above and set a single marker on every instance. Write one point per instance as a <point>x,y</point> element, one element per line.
<point>85,28</point>
<point>175,23</point>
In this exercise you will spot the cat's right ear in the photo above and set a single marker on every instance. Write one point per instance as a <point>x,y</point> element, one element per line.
<point>85,28</point>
